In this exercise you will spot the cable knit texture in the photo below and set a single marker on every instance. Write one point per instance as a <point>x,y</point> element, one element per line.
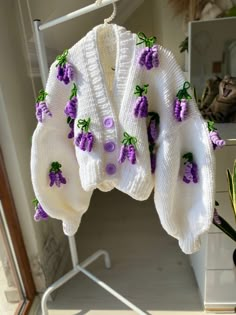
<point>106,71</point>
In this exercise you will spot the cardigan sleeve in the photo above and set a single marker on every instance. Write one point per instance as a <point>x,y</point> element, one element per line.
<point>185,209</point>
<point>65,199</point>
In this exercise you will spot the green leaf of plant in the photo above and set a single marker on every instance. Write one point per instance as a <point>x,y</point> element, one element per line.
<point>230,183</point>
<point>234,188</point>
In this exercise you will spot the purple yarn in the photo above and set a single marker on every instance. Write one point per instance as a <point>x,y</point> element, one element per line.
<point>141,107</point>
<point>155,56</point>
<point>131,154</point>
<point>148,60</point>
<point>60,72</point>
<point>71,133</point>
<point>149,57</point>
<point>217,142</point>
<point>68,73</point>
<point>177,109</point>
<point>40,214</point>
<point>56,178</point>
<point>180,109</point>
<point>78,139</point>
<point>123,153</point>
<point>90,139</point>
<point>42,111</point>
<point>152,131</point>
<point>83,142</point>
<point>184,109</point>
<point>137,106</point>
<point>190,173</point>
<point>71,107</point>
<point>153,162</point>
<point>143,55</point>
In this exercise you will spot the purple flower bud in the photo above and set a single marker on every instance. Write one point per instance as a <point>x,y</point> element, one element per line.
<point>217,142</point>
<point>143,55</point>
<point>155,56</point>
<point>71,108</point>
<point>90,141</point>
<point>143,110</point>
<point>61,178</point>
<point>52,177</point>
<point>148,60</point>
<point>68,73</point>
<point>40,214</point>
<point>60,72</point>
<point>71,133</point>
<point>195,172</point>
<point>137,106</point>
<point>83,142</point>
<point>78,139</point>
<point>152,131</point>
<point>190,173</point>
<point>177,109</point>
<point>141,107</point>
<point>131,154</point>
<point>123,154</point>
<point>184,109</point>
<point>42,111</point>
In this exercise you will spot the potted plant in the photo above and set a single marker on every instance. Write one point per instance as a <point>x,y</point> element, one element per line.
<point>218,220</point>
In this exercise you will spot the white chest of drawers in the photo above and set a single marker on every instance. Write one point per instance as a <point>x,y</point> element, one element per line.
<point>213,265</point>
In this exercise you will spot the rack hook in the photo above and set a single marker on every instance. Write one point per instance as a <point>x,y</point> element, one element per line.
<point>113,15</point>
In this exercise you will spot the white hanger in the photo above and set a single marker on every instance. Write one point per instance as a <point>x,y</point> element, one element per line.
<point>113,15</point>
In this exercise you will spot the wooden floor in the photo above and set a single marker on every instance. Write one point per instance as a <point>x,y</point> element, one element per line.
<point>147,265</point>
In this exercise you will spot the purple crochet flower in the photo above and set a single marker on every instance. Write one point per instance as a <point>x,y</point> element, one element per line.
<point>216,140</point>
<point>181,103</point>
<point>55,175</point>
<point>152,127</point>
<point>71,106</point>
<point>85,139</point>
<point>141,105</point>
<point>40,214</point>
<point>71,123</point>
<point>41,108</point>
<point>123,153</point>
<point>131,154</point>
<point>65,71</point>
<point>149,55</point>
<point>128,149</point>
<point>190,169</point>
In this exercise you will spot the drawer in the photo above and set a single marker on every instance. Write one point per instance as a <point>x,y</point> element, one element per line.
<point>225,210</point>
<point>224,159</point>
<point>220,250</point>
<point>220,286</point>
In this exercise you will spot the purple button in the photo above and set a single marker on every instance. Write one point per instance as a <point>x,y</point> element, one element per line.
<point>108,122</point>
<point>111,169</point>
<point>109,146</point>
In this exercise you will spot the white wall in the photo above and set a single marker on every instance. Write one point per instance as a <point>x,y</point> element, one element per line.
<point>168,28</point>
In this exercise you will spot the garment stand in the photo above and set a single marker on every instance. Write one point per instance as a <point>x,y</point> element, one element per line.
<point>43,65</point>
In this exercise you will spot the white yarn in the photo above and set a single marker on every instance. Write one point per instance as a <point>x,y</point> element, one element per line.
<point>185,210</point>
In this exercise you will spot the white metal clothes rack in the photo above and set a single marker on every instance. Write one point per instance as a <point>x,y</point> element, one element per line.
<point>77,267</point>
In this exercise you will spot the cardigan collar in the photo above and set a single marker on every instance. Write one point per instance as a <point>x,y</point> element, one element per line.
<point>126,60</point>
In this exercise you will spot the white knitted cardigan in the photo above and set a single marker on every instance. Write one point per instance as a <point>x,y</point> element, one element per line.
<point>185,210</point>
